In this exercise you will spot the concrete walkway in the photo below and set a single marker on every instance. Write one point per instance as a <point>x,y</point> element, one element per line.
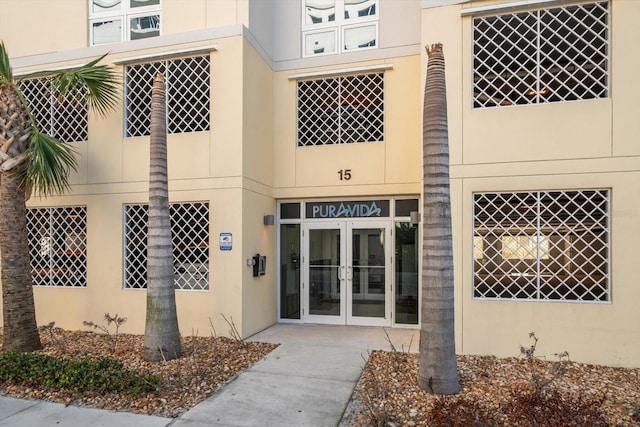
<point>306,381</point>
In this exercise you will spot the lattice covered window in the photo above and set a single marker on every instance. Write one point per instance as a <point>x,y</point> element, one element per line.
<point>58,245</point>
<point>543,245</point>
<point>188,96</point>
<point>65,119</point>
<point>541,56</point>
<point>341,110</point>
<point>190,237</point>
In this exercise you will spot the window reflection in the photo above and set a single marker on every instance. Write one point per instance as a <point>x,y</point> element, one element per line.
<point>359,37</point>
<point>319,11</point>
<point>105,5</point>
<point>318,43</point>
<point>143,3</point>
<point>145,26</point>
<point>107,31</point>
<point>359,8</point>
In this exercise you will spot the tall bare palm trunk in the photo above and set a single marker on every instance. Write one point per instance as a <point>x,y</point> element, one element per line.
<point>19,317</point>
<point>438,369</point>
<point>161,335</point>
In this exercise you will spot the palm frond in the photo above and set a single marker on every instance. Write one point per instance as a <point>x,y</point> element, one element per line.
<point>5,68</point>
<point>49,164</point>
<point>99,83</point>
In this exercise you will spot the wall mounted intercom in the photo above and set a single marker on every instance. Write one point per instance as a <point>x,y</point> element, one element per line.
<point>259,265</point>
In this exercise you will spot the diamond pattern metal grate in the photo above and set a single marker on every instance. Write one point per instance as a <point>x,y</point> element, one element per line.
<point>190,236</point>
<point>58,246</point>
<point>541,56</point>
<point>65,119</point>
<point>341,110</point>
<point>547,245</point>
<point>188,95</point>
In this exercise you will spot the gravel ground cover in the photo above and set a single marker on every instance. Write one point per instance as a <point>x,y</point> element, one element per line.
<point>207,364</point>
<point>387,393</point>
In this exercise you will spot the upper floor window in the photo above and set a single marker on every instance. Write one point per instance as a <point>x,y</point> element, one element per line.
<point>65,119</point>
<point>341,110</point>
<point>541,245</point>
<point>112,21</point>
<point>337,26</point>
<point>188,83</point>
<point>541,56</point>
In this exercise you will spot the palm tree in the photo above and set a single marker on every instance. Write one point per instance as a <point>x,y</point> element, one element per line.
<point>31,159</point>
<point>161,334</point>
<point>438,372</point>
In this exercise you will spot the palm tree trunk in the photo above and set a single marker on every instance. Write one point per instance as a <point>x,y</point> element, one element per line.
<point>438,372</point>
<point>161,335</point>
<point>18,308</point>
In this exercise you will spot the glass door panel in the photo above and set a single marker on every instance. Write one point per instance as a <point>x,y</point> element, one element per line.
<point>368,275</point>
<point>324,273</point>
<point>406,270</point>
<point>290,271</point>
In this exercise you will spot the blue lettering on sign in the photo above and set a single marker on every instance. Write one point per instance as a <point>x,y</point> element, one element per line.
<point>346,210</point>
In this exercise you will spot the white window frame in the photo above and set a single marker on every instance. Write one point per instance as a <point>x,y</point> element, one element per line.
<point>125,13</point>
<point>339,25</point>
<point>538,90</point>
<point>560,272</point>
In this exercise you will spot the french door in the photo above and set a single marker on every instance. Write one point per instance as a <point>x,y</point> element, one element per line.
<point>346,272</point>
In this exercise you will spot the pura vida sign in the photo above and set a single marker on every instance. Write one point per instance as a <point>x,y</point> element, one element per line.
<point>348,209</point>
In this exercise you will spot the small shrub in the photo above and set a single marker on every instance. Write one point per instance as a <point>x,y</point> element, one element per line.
<point>533,407</point>
<point>116,320</point>
<point>89,374</point>
<point>54,337</point>
<point>458,411</point>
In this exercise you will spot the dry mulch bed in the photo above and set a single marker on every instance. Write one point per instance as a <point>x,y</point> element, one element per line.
<point>388,394</point>
<point>207,364</point>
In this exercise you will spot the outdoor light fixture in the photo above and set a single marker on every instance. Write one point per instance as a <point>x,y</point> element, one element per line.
<point>268,220</point>
<point>415,217</point>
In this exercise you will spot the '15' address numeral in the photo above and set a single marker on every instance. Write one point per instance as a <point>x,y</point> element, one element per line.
<point>345,174</point>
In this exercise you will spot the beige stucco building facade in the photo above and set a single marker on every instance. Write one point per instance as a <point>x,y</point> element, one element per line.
<point>295,133</point>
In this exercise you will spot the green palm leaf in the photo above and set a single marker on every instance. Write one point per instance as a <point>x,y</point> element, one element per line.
<point>97,82</point>
<point>50,161</point>
<point>5,68</point>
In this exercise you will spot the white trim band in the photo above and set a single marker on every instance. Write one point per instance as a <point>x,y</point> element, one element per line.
<point>340,71</point>
<point>166,54</point>
<point>509,7</point>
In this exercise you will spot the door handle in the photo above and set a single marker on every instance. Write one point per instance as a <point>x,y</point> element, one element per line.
<point>341,273</point>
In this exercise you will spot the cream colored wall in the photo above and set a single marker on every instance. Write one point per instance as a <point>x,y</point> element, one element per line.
<point>582,144</point>
<point>259,293</point>
<point>499,327</point>
<point>203,166</point>
<point>104,292</point>
<point>23,22</point>
<point>624,87</point>
<point>389,167</point>
<point>30,27</point>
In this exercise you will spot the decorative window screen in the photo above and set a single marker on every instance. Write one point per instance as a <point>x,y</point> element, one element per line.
<point>341,110</point>
<point>541,56</point>
<point>65,119</point>
<point>543,245</point>
<point>188,96</point>
<point>190,238</point>
<point>58,246</point>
